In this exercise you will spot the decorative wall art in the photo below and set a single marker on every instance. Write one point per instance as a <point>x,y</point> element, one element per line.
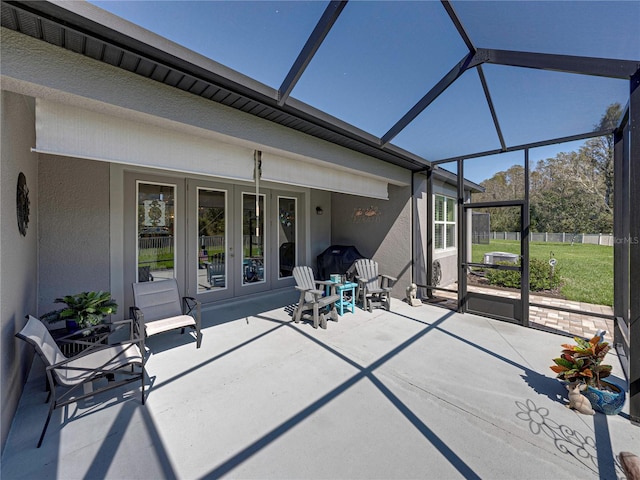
<point>366,214</point>
<point>154,213</point>
<point>287,218</point>
<point>22,204</point>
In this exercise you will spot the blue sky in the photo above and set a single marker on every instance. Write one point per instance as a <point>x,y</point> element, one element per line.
<point>381,57</point>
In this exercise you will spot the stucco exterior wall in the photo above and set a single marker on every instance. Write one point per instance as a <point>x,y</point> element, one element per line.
<point>449,269</point>
<point>380,229</point>
<point>18,254</point>
<point>74,228</point>
<point>320,225</point>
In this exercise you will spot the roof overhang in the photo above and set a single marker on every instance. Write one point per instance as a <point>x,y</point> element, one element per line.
<point>88,30</point>
<point>450,178</point>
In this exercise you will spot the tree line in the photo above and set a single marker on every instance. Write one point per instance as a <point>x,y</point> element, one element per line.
<point>571,192</point>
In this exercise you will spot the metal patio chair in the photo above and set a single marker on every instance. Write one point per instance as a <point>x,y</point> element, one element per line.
<point>121,363</point>
<point>374,289</point>
<point>311,297</point>
<point>158,309</point>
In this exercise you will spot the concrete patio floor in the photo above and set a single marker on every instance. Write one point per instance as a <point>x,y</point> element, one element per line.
<point>414,393</point>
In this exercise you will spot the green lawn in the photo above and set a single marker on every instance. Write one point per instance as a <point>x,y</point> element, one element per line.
<point>586,270</point>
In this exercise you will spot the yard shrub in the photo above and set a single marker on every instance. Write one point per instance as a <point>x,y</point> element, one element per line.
<point>540,277</point>
<point>504,278</point>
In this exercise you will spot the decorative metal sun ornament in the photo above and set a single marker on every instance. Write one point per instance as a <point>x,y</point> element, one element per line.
<point>22,204</point>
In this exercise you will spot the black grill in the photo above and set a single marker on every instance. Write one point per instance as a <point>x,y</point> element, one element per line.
<point>337,259</point>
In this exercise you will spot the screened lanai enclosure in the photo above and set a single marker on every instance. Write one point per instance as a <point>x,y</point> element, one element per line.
<point>438,88</point>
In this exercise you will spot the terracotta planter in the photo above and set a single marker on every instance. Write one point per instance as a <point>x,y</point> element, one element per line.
<point>606,401</point>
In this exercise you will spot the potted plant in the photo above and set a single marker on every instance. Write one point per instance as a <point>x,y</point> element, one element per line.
<point>583,363</point>
<point>83,310</point>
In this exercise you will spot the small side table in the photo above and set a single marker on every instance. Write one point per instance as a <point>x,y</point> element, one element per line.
<point>346,303</point>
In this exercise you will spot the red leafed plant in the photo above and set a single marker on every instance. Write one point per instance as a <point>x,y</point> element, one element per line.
<point>583,362</point>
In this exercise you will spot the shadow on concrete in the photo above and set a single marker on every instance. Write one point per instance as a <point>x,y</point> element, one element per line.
<point>363,373</point>
<point>595,453</point>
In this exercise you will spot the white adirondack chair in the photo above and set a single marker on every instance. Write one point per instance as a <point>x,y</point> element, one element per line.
<point>374,289</point>
<point>311,297</point>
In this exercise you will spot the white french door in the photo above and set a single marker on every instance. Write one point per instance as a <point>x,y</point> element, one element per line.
<point>154,230</point>
<point>217,239</point>
<point>252,242</point>
<point>210,240</point>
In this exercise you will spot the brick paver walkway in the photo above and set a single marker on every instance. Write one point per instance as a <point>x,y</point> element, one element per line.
<point>559,321</point>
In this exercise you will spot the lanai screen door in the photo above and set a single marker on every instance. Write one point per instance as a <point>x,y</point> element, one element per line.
<point>510,306</point>
<point>514,308</point>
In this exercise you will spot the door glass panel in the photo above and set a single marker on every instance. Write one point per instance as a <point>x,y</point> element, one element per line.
<point>212,239</point>
<point>492,247</point>
<point>287,232</point>
<point>156,235</point>
<point>252,239</point>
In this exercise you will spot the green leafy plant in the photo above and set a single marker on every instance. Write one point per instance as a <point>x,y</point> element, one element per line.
<point>504,278</point>
<point>541,276</point>
<point>583,362</point>
<point>86,308</point>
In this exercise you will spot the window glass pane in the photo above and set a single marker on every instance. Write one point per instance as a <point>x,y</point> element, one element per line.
<point>438,237</point>
<point>252,239</point>
<point>451,210</point>
<point>156,253</point>
<point>212,227</point>
<point>451,235</point>
<point>287,233</point>
<point>439,208</point>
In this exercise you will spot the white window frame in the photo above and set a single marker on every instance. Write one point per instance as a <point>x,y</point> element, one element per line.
<point>445,223</point>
